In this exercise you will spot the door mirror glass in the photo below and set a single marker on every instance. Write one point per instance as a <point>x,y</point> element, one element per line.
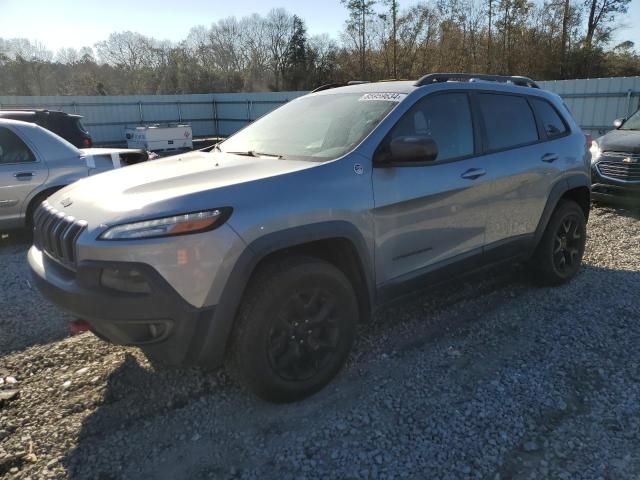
<point>411,149</point>
<point>618,122</point>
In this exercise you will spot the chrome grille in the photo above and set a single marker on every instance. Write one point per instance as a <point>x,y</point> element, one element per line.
<point>613,165</point>
<point>56,233</point>
<point>621,154</point>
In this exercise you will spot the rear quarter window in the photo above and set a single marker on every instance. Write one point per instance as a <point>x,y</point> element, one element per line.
<point>80,126</point>
<point>508,120</point>
<point>552,122</point>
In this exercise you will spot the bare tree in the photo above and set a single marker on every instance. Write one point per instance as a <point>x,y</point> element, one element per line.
<point>555,39</point>
<point>359,13</point>
<point>602,13</point>
<point>279,30</point>
<point>393,16</point>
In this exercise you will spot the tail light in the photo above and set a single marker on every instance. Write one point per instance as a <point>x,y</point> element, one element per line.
<point>86,142</point>
<point>588,139</point>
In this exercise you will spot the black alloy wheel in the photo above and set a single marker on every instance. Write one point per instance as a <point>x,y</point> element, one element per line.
<point>305,336</point>
<point>295,328</point>
<point>567,245</point>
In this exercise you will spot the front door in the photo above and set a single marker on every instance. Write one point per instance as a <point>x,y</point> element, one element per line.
<point>431,214</point>
<point>20,173</point>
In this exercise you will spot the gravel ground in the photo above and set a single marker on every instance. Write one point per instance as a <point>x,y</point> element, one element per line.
<point>498,380</point>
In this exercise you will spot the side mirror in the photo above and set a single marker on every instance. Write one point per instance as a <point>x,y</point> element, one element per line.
<point>412,150</point>
<point>618,122</point>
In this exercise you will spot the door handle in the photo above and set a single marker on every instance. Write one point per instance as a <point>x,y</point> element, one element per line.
<point>24,175</point>
<point>549,157</point>
<point>473,173</point>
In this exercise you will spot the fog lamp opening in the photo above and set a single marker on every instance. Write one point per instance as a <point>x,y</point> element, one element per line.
<point>124,280</point>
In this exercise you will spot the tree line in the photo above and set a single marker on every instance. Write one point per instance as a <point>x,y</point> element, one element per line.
<point>555,39</point>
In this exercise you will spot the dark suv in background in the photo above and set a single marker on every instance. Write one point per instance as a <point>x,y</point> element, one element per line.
<point>615,162</point>
<point>66,125</point>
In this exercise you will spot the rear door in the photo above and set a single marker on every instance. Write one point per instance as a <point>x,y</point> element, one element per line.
<point>522,167</point>
<point>20,173</point>
<point>431,214</point>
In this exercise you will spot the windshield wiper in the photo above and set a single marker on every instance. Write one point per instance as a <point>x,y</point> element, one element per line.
<point>210,148</point>
<point>253,153</point>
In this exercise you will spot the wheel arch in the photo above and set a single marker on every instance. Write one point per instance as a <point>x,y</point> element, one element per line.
<point>337,242</point>
<point>582,196</point>
<point>576,188</point>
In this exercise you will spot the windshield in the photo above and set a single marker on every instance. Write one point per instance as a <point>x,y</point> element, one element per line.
<point>632,123</point>
<point>315,127</point>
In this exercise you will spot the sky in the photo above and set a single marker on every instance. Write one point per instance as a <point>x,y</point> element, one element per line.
<point>77,23</point>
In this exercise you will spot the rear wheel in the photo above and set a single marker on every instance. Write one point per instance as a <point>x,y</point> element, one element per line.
<point>295,329</point>
<point>559,254</point>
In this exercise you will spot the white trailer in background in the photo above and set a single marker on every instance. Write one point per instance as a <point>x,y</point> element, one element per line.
<point>160,137</point>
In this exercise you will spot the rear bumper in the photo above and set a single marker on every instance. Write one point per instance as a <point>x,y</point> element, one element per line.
<point>161,323</point>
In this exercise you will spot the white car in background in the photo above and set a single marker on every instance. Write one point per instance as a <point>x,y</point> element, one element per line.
<point>35,162</point>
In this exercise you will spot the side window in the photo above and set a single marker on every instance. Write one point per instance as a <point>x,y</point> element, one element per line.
<point>508,120</point>
<point>550,118</point>
<point>446,119</point>
<point>12,149</point>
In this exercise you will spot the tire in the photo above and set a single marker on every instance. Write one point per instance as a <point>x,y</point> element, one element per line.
<point>294,330</point>
<point>558,256</point>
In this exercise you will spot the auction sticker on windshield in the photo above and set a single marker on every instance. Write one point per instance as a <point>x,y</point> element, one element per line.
<point>388,97</point>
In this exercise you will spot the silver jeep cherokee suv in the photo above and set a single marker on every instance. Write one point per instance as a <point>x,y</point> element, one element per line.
<point>268,250</point>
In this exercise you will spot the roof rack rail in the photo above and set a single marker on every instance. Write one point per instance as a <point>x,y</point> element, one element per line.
<point>327,87</point>
<point>469,77</point>
<point>336,85</point>
<point>23,108</point>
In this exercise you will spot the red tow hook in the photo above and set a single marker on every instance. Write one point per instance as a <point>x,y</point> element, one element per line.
<point>78,326</point>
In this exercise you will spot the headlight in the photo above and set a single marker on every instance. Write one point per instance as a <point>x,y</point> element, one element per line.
<point>595,152</point>
<point>168,226</point>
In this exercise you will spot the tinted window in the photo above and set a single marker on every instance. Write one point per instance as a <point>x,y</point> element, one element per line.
<point>550,118</point>
<point>12,149</point>
<point>508,119</point>
<point>80,126</point>
<point>446,119</point>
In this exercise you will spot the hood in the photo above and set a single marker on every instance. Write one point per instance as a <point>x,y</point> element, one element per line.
<point>627,141</point>
<point>169,184</point>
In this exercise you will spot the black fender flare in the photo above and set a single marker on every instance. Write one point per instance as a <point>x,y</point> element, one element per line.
<point>557,192</point>
<point>215,342</point>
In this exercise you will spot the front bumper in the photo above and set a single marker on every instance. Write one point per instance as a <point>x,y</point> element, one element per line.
<point>612,190</point>
<point>166,327</point>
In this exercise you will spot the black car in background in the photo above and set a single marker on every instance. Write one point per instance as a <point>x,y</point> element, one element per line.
<point>65,125</point>
<point>615,162</point>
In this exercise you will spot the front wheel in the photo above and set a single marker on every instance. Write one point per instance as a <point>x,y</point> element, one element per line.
<point>295,329</point>
<point>559,254</point>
